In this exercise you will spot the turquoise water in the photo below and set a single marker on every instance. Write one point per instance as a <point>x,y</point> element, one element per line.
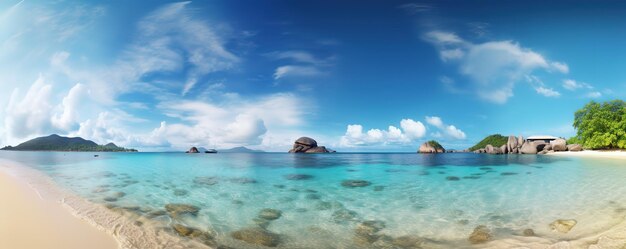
<point>439,199</point>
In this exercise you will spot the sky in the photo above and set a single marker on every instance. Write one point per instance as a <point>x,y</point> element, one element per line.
<point>354,75</point>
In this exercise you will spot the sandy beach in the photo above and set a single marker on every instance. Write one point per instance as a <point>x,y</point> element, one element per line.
<point>31,221</point>
<point>593,154</point>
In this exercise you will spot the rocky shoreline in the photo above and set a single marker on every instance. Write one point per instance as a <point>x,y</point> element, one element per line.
<point>519,145</point>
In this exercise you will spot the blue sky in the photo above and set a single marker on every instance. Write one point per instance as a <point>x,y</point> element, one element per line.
<point>355,75</point>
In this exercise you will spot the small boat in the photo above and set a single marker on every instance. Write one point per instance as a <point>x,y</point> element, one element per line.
<point>210,151</point>
<point>96,155</point>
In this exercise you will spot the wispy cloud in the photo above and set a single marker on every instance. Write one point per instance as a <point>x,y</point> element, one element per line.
<point>572,85</point>
<point>414,8</point>
<point>494,67</point>
<point>296,71</point>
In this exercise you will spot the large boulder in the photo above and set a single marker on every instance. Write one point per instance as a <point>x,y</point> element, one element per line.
<point>520,142</point>
<point>431,147</point>
<point>504,149</point>
<point>559,144</point>
<point>528,148</point>
<point>492,150</point>
<point>308,145</point>
<point>193,150</point>
<point>574,147</point>
<point>511,144</point>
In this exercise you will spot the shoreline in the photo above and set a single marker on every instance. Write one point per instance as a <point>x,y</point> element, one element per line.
<point>29,219</point>
<point>116,224</point>
<point>114,228</point>
<point>599,154</point>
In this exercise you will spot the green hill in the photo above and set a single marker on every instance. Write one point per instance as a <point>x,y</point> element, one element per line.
<point>496,140</point>
<point>58,143</point>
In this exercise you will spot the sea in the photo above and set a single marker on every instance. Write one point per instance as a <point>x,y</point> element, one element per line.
<point>346,200</point>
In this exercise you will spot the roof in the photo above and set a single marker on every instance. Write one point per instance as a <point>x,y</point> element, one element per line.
<point>541,137</point>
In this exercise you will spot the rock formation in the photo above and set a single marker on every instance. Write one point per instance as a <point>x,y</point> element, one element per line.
<point>559,144</point>
<point>193,150</point>
<point>528,148</point>
<point>574,147</point>
<point>431,147</point>
<point>308,145</point>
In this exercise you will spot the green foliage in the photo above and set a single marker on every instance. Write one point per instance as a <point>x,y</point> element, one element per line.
<point>574,140</point>
<point>496,140</point>
<point>58,143</point>
<point>435,144</point>
<point>602,125</point>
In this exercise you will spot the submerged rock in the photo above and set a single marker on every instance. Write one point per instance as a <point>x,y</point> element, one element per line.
<point>355,183</point>
<point>194,233</point>
<point>365,233</point>
<point>323,205</point>
<point>243,180</point>
<point>257,236</point>
<point>175,210</point>
<point>528,232</point>
<point>118,194</point>
<point>270,214</point>
<point>296,177</point>
<point>369,227</point>
<point>563,226</point>
<point>453,178</point>
<point>343,215</point>
<point>481,234</point>
<point>508,173</point>
<point>408,242</point>
<point>379,188</point>
<point>205,180</point>
<point>180,192</point>
<point>155,214</point>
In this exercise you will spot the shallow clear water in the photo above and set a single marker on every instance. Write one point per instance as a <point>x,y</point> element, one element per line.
<point>413,195</point>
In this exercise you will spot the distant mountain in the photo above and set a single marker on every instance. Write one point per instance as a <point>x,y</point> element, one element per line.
<point>240,149</point>
<point>58,143</point>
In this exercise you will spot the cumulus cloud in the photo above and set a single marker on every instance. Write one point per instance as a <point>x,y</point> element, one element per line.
<point>29,113</point>
<point>444,130</point>
<point>411,130</point>
<point>69,116</point>
<point>494,66</point>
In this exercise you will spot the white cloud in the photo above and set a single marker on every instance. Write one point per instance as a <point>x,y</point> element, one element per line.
<point>69,117</point>
<point>295,55</point>
<point>494,66</point>
<point>572,85</point>
<point>434,121</point>
<point>29,114</point>
<point>548,92</point>
<point>594,95</point>
<point>449,130</point>
<point>411,131</point>
<point>455,132</point>
<point>296,71</point>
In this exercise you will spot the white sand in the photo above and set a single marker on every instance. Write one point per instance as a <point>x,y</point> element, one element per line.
<point>593,154</point>
<point>30,221</point>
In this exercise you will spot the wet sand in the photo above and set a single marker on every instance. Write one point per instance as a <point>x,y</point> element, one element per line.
<point>30,221</point>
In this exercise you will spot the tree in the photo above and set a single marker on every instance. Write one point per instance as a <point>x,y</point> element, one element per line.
<point>601,125</point>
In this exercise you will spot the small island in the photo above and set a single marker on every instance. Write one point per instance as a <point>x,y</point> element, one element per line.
<point>55,142</point>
